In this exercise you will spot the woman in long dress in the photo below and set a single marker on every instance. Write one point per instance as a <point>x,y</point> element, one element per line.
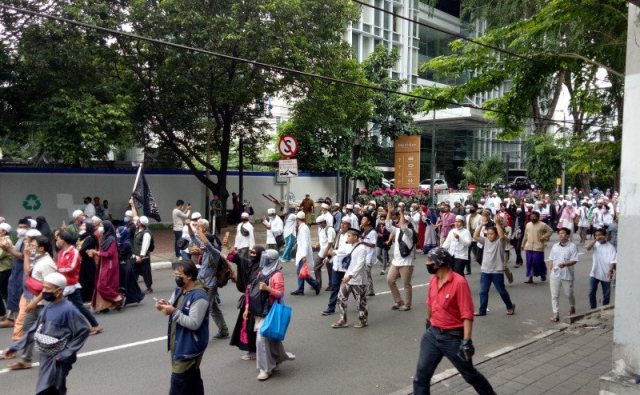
<point>87,241</point>
<point>107,293</point>
<point>270,353</point>
<point>247,269</point>
<point>129,287</point>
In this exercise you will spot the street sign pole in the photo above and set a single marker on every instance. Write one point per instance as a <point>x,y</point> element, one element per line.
<point>288,148</point>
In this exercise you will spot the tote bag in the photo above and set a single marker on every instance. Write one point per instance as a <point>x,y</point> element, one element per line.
<point>276,322</point>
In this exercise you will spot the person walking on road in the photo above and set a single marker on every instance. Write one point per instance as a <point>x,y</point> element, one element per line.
<point>275,229</point>
<point>266,288</point>
<point>457,243</point>
<point>369,241</point>
<point>304,254</point>
<point>59,332</point>
<point>354,281</point>
<point>536,233</point>
<point>326,238</point>
<point>561,262</point>
<point>188,332</point>
<point>402,263</point>
<point>245,239</point>
<point>605,259</point>
<point>493,266</point>
<point>289,237</point>
<point>449,326</point>
<point>339,250</point>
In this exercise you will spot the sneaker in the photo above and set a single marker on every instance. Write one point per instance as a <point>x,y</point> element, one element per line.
<point>339,324</point>
<point>149,291</point>
<point>250,356</point>
<point>382,273</point>
<point>263,375</point>
<point>296,293</point>
<point>397,306</point>
<point>328,288</point>
<point>404,308</point>
<point>318,289</point>
<point>220,335</point>
<point>360,325</point>
<point>328,312</point>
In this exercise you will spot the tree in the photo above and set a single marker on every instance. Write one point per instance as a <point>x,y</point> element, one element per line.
<point>543,161</point>
<point>558,45</point>
<point>484,171</point>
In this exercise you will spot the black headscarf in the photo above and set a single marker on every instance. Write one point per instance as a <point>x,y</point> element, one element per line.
<point>108,236</point>
<point>43,226</point>
<point>89,230</point>
<point>247,268</point>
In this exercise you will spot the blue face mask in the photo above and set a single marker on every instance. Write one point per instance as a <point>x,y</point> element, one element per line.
<point>126,220</point>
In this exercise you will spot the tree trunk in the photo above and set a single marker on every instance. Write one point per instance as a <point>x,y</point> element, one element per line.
<point>585,182</point>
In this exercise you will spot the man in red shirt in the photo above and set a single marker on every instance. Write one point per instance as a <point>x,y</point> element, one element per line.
<point>449,326</point>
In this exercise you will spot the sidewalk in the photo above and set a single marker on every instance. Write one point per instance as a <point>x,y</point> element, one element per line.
<point>568,360</point>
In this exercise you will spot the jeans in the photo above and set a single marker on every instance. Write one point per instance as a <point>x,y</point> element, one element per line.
<point>336,280</point>
<point>382,254</point>
<point>76,299</point>
<point>433,347</point>
<point>310,280</point>
<point>486,279</point>
<point>178,236</point>
<point>14,290</point>
<point>187,383</point>
<point>606,292</point>
<point>4,288</point>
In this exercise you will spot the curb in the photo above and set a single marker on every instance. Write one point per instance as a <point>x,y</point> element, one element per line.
<point>447,374</point>
<point>160,265</point>
<point>576,317</point>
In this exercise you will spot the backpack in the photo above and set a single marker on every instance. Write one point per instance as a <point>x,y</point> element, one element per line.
<point>152,245</point>
<point>405,251</point>
<point>346,261</point>
<point>258,300</point>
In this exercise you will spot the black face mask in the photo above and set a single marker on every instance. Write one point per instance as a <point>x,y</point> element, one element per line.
<point>179,281</point>
<point>432,269</point>
<point>48,296</point>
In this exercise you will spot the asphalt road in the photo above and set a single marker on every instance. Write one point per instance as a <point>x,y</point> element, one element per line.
<point>130,356</point>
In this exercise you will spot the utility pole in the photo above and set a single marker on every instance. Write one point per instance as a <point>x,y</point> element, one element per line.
<point>241,171</point>
<point>433,161</point>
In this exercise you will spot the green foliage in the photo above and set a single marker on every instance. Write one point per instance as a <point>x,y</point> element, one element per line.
<point>543,161</point>
<point>484,171</point>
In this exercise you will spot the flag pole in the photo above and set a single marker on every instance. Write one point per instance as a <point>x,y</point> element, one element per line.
<point>135,184</point>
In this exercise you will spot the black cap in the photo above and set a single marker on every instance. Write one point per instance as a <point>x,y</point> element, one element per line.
<point>354,231</point>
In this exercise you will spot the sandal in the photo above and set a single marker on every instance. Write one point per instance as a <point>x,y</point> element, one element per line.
<point>95,330</point>
<point>512,310</point>
<point>555,318</point>
<point>339,324</point>
<point>360,325</point>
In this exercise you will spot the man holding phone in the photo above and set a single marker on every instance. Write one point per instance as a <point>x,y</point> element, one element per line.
<point>188,329</point>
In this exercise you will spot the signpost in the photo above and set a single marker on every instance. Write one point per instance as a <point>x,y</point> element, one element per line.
<point>288,167</point>
<point>407,162</point>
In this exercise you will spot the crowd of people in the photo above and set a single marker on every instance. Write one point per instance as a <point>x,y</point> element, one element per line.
<point>96,267</point>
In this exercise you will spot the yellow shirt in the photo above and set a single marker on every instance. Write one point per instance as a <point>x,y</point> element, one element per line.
<point>536,235</point>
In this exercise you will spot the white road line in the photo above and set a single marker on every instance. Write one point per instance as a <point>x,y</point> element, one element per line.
<point>108,349</point>
<point>401,289</point>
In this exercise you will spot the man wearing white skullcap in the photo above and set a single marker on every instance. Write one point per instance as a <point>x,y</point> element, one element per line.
<point>245,239</point>
<point>142,247</point>
<point>59,332</point>
<point>457,243</point>
<point>275,230</point>
<point>336,213</point>
<point>78,217</point>
<point>324,212</point>
<point>304,254</point>
<point>355,223</point>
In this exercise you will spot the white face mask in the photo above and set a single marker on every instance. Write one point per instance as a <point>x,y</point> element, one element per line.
<point>82,232</point>
<point>21,232</point>
<point>101,229</point>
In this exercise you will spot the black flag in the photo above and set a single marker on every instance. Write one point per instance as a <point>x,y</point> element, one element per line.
<point>144,200</point>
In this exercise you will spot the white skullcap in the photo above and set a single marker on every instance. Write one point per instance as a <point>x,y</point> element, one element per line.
<point>128,213</point>
<point>95,218</point>
<point>321,218</point>
<point>2,220</point>
<point>300,215</point>
<point>6,227</point>
<point>401,204</point>
<point>144,220</point>
<point>407,217</point>
<point>33,233</point>
<point>77,213</point>
<point>57,279</point>
<point>346,220</point>
<point>349,206</point>
<point>324,206</point>
<point>244,215</point>
<point>271,211</point>
<point>357,206</point>
<point>336,204</point>
<point>196,215</point>
<point>33,223</point>
<point>459,218</point>
<point>373,202</point>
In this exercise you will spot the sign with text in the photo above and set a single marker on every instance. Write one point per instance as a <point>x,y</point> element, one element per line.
<point>288,168</point>
<point>407,162</point>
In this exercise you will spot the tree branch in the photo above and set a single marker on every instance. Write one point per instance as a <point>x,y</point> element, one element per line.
<point>573,55</point>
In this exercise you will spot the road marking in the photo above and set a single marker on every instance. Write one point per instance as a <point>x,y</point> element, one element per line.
<point>105,350</point>
<point>401,289</point>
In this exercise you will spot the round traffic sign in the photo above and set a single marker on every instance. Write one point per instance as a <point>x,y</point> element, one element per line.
<point>288,146</point>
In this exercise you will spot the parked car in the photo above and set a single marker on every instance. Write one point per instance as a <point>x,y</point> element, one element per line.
<point>439,184</point>
<point>387,183</point>
<point>521,183</point>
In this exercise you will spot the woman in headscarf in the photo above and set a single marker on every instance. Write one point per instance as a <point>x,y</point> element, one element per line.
<point>128,285</point>
<point>266,288</point>
<point>247,270</point>
<point>107,293</point>
<point>87,241</point>
<point>45,230</point>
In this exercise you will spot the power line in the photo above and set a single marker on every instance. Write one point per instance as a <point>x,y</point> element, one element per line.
<point>267,65</point>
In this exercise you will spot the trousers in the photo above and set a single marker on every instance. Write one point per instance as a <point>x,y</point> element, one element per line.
<point>144,269</point>
<point>360,295</point>
<point>555,283</point>
<point>404,272</point>
<point>216,313</point>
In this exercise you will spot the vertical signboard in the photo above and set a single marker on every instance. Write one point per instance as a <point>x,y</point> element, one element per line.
<point>407,162</point>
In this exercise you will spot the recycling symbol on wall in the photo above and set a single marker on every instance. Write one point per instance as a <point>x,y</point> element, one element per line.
<point>31,202</point>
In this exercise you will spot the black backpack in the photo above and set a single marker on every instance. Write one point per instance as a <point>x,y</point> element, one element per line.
<point>346,261</point>
<point>405,251</point>
<point>258,300</point>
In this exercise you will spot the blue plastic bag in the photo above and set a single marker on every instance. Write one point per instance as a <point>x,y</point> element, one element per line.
<point>276,322</point>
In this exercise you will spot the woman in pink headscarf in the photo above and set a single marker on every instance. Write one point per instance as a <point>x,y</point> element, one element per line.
<point>567,215</point>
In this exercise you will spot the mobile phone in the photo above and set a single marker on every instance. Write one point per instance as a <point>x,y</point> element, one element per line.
<point>154,298</point>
